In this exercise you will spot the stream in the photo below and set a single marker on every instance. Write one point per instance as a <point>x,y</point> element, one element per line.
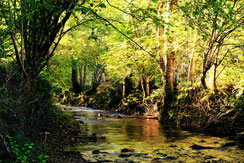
<point>128,139</point>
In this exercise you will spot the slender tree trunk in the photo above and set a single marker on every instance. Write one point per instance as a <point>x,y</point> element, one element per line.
<point>167,56</point>
<point>192,63</point>
<point>123,91</point>
<point>160,33</point>
<point>134,27</point>
<point>206,61</point>
<point>203,80</point>
<point>94,81</point>
<point>22,33</point>
<point>147,86</point>
<point>143,88</point>
<point>169,63</point>
<point>127,86</point>
<point>75,83</point>
<point>81,79</point>
<point>17,55</point>
<point>84,76</point>
<point>48,62</point>
<point>215,77</point>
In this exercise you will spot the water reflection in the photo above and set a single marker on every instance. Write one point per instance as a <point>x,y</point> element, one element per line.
<point>150,128</point>
<point>133,129</point>
<point>145,136</point>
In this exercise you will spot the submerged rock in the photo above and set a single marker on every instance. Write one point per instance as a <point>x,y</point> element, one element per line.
<point>208,157</point>
<point>104,161</point>
<point>161,154</point>
<point>125,155</point>
<point>199,147</point>
<point>172,146</point>
<point>144,155</point>
<point>231,144</point>
<point>202,141</point>
<point>95,152</point>
<point>124,150</point>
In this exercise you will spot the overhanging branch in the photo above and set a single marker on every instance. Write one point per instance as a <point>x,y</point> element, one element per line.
<point>104,19</point>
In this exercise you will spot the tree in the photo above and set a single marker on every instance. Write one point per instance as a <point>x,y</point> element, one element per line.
<point>40,25</point>
<point>215,21</point>
<point>166,52</point>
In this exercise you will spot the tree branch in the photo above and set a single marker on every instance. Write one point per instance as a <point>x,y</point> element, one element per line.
<point>17,55</point>
<point>104,19</point>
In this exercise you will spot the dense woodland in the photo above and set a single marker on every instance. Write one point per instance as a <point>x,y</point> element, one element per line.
<point>180,61</point>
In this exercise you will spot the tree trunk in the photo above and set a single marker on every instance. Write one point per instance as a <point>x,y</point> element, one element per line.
<point>203,80</point>
<point>123,91</point>
<point>191,69</point>
<point>22,33</point>
<point>48,61</point>
<point>94,80</point>
<point>147,86</point>
<point>81,79</point>
<point>215,77</point>
<point>167,57</point>
<point>169,81</point>
<point>169,63</point>
<point>84,77</point>
<point>134,27</point>
<point>75,83</point>
<point>143,88</point>
<point>127,86</point>
<point>206,61</point>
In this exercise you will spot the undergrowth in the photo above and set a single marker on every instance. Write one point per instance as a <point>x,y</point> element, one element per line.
<point>219,112</point>
<point>25,107</point>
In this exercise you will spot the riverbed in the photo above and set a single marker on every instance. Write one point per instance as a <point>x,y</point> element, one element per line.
<point>123,138</point>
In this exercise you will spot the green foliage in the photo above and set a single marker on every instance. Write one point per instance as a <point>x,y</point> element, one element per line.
<point>25,152</point>
<point>107,95</point>
<point>132,104</point>
<point>158,93</point>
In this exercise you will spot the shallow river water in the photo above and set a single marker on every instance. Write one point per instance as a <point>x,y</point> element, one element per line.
<point>130,139</point>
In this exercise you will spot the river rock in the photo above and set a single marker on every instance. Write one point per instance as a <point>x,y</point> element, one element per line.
<point>95,152</point>
<point>123,155</point>
<point>104,161</point>
<point>124,150</point>
<point>202,141</point>
<point>140,155</point>
<point>208,157</point>
<point>199,147</point>
<point>172,146</point>
<point>231,144</point>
